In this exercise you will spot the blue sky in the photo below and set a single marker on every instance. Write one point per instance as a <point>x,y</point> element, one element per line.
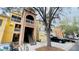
<point>69,13</point>
<point>74,12</point>
<point>0,10</point>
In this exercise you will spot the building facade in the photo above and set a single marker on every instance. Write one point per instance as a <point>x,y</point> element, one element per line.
<point>16,18</point>
<point>58,32</point>
<point>19,27</point>
<point>27,34</point>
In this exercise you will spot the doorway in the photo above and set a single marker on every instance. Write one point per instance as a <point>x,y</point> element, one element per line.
<point>15,37</point>
<point>28,35</point>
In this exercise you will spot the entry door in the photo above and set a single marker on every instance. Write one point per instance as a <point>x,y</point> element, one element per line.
<point>28,36</point>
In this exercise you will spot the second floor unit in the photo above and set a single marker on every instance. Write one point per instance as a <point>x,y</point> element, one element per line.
<point>16,17</point>
<point>28,17</point>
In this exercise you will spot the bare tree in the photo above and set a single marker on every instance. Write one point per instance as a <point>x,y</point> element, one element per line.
<point>51,13</point>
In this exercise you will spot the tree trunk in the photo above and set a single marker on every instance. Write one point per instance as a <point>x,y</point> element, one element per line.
<point>48,36</point>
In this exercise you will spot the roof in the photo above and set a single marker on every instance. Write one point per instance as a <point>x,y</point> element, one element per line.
<point>31,10</point>
<point>16,13</point>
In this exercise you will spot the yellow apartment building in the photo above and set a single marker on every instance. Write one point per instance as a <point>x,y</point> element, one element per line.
<point>18,27</point>
<point>40,31</point>
<point>24,30</point>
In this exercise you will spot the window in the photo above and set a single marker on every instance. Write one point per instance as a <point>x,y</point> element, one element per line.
<point>15,37</point>
<point>0,22</point>
<point>16,18</point>
<point>29,19</point>
<point>17,27</point>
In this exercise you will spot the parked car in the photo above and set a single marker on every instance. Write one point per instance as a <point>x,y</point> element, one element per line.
<point>62,40</point>
<point>55,39</point>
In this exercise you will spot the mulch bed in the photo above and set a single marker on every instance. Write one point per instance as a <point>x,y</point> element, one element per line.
<point>46,48</point>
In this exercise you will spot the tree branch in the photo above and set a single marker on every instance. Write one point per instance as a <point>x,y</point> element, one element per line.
<point>42,15</point>
<point>39,12</point>
<point>54,14</point>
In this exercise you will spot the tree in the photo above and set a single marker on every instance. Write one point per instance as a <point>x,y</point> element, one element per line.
<point>51,13</point>
<point>75,25</point>
<point>70,27</point>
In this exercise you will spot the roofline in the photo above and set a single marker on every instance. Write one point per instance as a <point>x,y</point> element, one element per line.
<point>4,16</point>
<point>30,12</point>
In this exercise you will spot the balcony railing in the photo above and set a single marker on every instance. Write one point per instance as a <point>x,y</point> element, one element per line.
<point>17,29</point>
<point>16,20</point>
<point>30,21</point>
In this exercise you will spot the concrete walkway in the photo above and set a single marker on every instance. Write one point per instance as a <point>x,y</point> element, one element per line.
<point>75,47</point>
<point>65,46</point>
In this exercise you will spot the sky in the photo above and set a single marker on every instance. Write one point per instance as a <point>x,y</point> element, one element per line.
<point>67,12</point>
<point>73,12</point>
<point>0,10</point>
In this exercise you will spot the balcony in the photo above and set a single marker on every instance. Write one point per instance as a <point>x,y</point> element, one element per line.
<point>30,21</point>
<point>17,29</point>
<point>16,18</point>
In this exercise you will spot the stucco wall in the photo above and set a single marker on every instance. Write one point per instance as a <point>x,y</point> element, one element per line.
<point>2,27</point>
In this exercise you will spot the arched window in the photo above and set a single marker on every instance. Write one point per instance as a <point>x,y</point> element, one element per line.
<point>29,17</point>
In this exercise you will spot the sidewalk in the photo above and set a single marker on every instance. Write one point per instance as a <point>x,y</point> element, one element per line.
<point>65,46</point>
<point>75,47</point>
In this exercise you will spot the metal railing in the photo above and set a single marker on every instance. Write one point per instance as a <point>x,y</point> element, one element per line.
<point>17,29</point>
<point>30,21</point>
<point>16,20</point>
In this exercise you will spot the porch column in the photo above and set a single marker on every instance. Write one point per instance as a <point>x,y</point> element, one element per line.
<point>21,39</point>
